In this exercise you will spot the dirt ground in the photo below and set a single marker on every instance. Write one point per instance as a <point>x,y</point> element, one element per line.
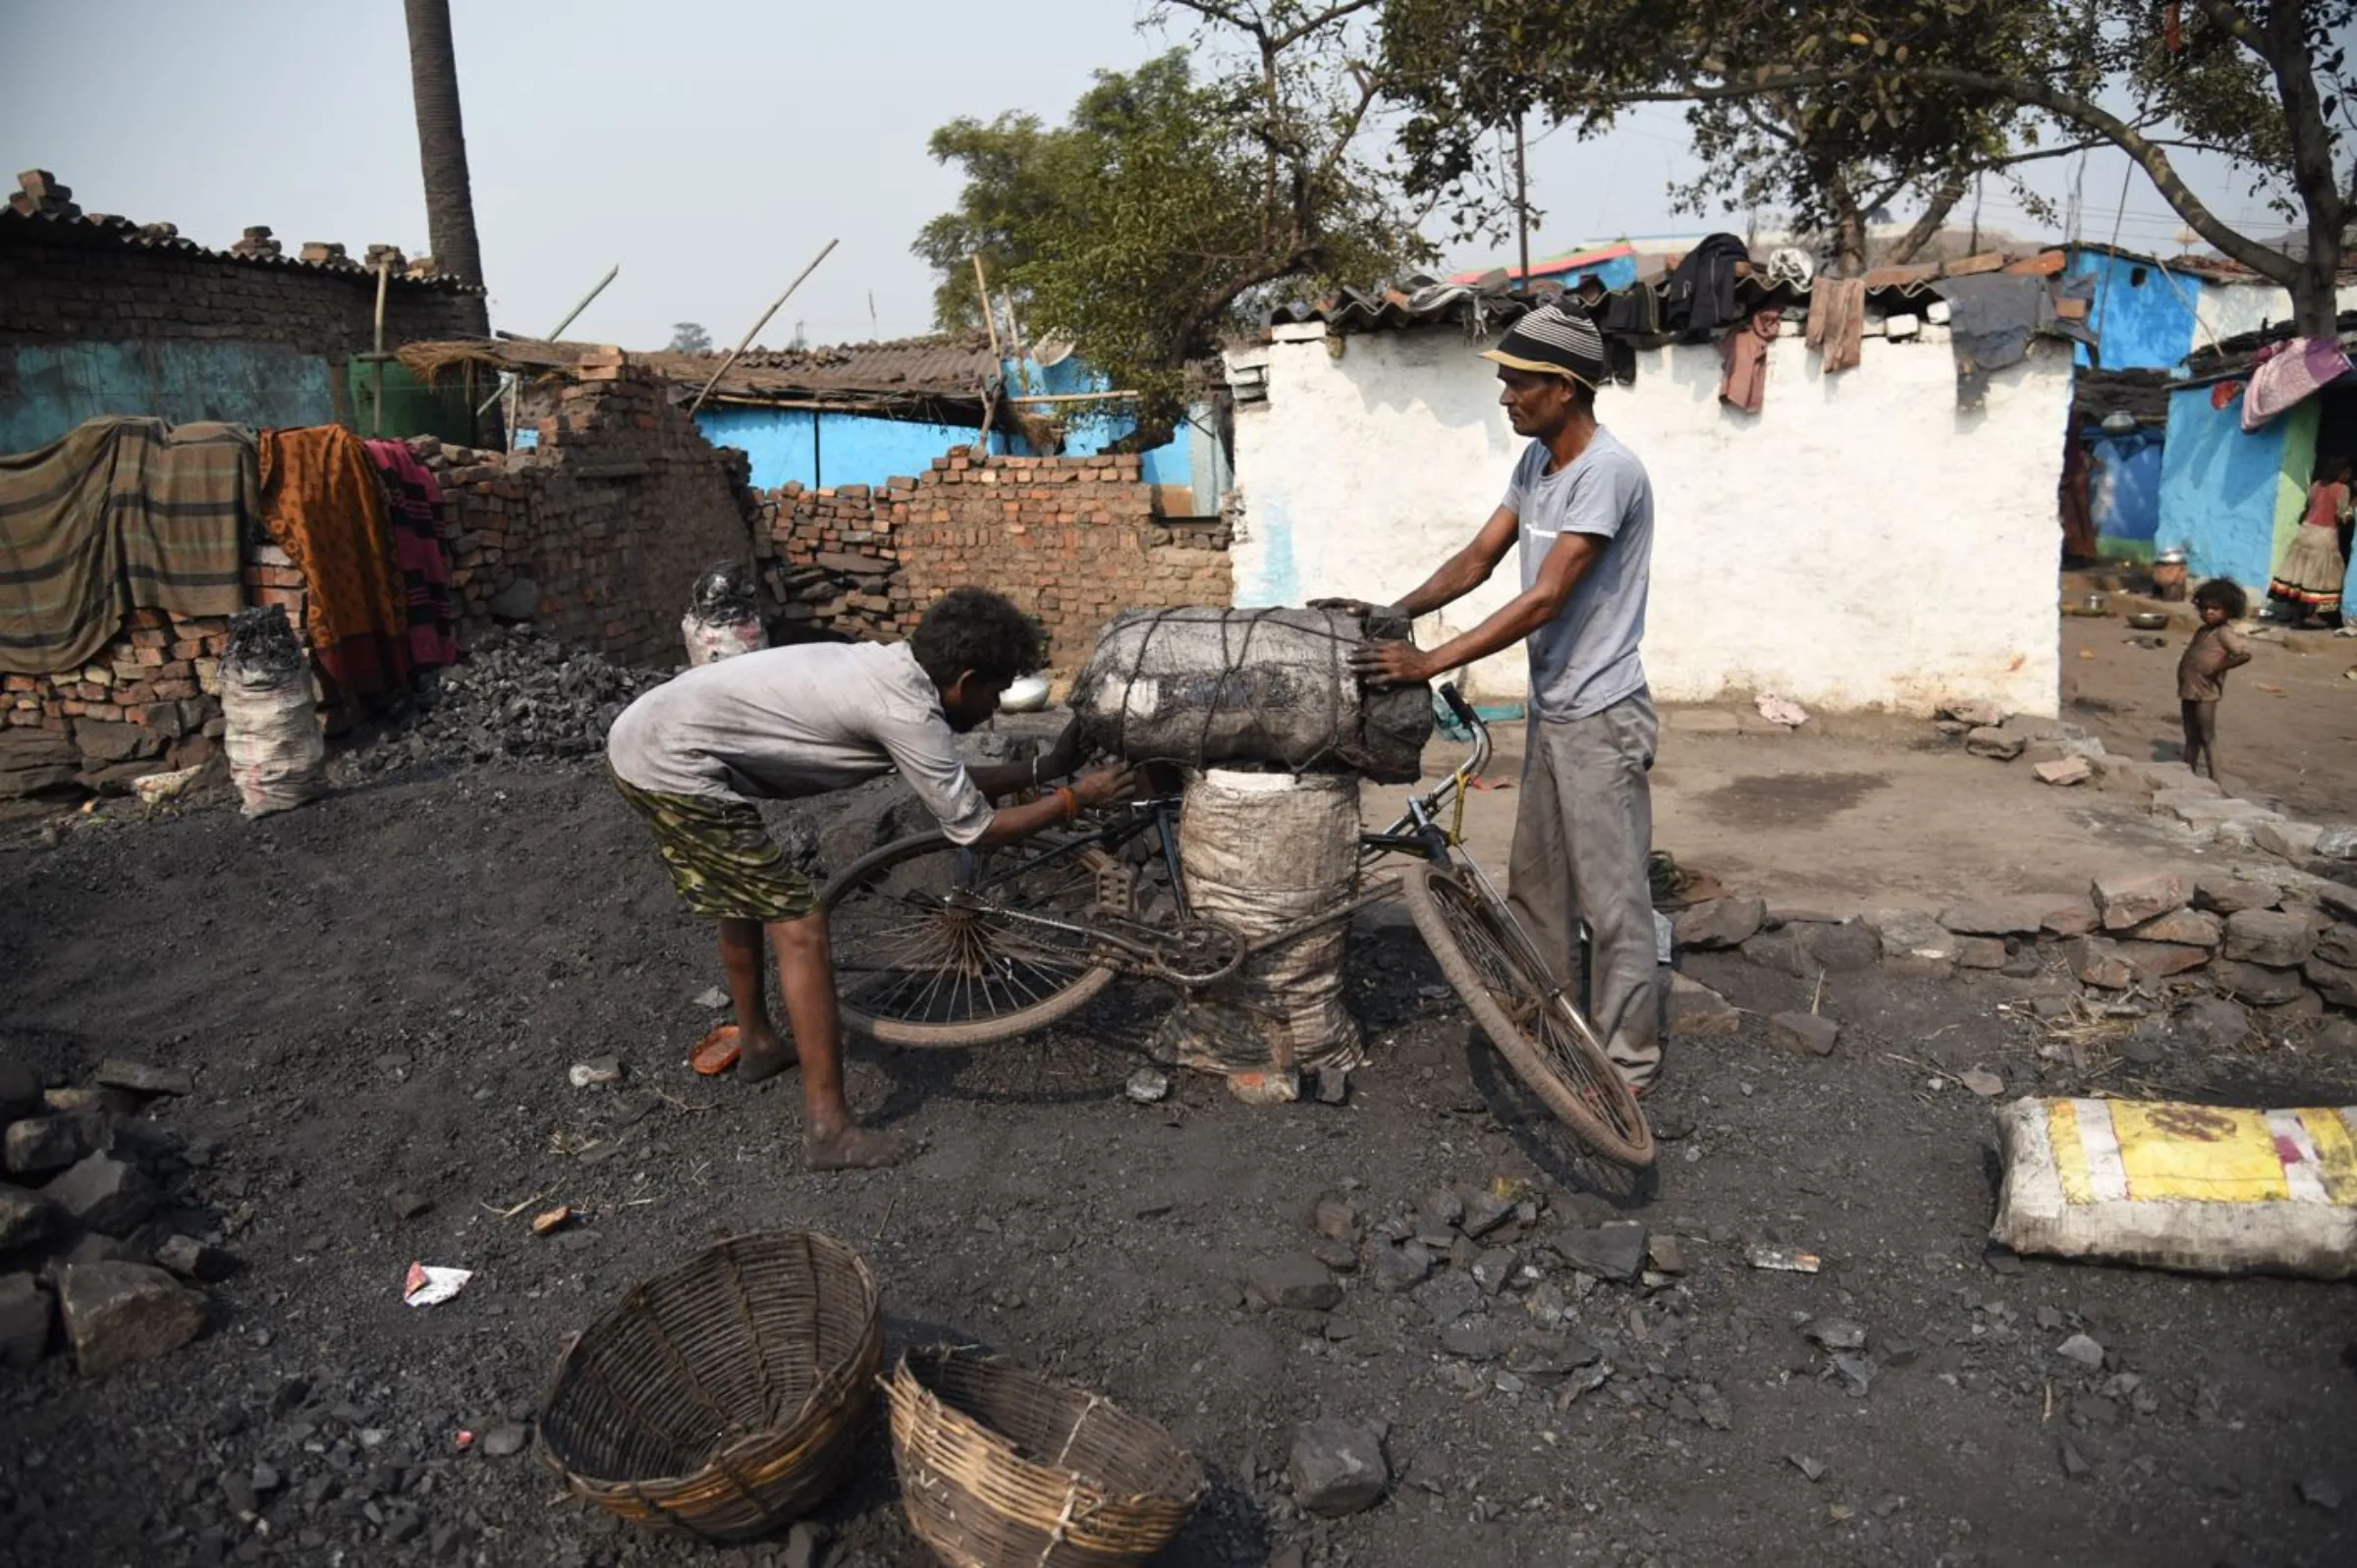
<point>2287,730</point>
<point>382,993</point>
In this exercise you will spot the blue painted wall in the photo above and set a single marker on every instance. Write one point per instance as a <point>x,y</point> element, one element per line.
<point>829,450</point>
<point>1090,428</point>
<point>2125,490</point>
<point>2219,488</point>
<point>2145,324</point>
<point>47,389</point>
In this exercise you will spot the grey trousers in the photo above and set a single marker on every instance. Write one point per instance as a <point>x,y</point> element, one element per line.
<point>1583,838</point>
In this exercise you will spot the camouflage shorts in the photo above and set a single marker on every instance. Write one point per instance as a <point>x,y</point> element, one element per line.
<point>722,859</point>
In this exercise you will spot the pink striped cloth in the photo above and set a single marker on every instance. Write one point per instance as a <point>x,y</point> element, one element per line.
<point>2295,372</point>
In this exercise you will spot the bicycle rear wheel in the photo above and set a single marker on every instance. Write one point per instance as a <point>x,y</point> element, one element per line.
<point>926,954</point>
<point>1534,1026</point>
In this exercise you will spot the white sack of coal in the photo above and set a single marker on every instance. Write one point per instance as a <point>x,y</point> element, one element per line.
<point>1202,685</point>
<point>2207,1189</point>
<point>277,755</point>
<point>724,616</point>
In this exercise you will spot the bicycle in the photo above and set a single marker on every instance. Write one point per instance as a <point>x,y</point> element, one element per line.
<point>939,945</point>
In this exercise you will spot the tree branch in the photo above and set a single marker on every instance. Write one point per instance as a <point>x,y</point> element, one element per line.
<point>1332,13</point>
<point>2148,154</point>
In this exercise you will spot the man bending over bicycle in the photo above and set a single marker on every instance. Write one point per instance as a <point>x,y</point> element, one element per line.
<point>692,755</point>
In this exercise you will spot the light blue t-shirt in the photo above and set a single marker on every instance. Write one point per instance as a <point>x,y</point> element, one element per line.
<point>1585,659</point>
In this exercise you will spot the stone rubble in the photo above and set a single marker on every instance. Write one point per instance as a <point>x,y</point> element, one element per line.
<point>92,1205</point>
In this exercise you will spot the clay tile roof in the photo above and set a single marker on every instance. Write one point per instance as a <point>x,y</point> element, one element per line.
<point>105,231</point>
<point>960,365</point>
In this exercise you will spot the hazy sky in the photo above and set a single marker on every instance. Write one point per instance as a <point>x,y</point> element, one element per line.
<point>709,146</point>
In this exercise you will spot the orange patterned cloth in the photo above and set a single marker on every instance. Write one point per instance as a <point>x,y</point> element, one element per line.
<point>325,507</point>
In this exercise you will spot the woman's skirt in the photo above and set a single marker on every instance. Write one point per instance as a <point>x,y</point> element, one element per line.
<point>2311,573</point>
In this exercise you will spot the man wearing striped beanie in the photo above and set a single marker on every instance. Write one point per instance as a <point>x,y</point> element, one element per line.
<point>1580,507</point>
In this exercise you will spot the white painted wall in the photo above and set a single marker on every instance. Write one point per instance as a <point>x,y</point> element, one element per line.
<point>2223,310</point>
<point>1860,543</point>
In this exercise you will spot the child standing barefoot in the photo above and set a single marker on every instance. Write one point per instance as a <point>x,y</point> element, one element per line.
<point>2202,673</point>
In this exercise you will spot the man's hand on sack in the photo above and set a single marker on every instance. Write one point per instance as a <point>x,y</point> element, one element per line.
<point>1108,785</point>
<point>1392,664</point>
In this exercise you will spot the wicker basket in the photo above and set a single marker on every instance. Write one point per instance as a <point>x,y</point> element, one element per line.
<point>722,1397</point>
<point>1001,1467</point>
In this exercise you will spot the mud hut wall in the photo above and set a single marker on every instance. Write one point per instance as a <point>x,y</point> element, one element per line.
<point>91,325</point>
<point>1070,540</point>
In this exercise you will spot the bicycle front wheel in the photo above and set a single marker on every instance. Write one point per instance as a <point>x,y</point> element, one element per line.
<point>929,951</point>
<point>1551,1048</point>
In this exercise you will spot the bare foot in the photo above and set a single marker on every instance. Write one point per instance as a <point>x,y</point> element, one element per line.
<point>761,1056</point>
<point>855,1149</point>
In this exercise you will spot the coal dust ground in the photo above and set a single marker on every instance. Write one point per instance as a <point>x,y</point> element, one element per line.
<point>382,993</point>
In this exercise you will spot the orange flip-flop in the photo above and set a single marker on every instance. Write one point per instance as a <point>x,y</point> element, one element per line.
<point>715,1053</point>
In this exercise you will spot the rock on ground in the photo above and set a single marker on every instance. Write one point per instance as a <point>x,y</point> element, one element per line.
<point>108,1195</point>
<point>42,1144</point>
<point>25,1315</point>
<point>1996,917</point>
<point>1810,1032</point>
<point>2195,928</point>
<point>1296,1281</point>
<point>1721,923</point>
<point>2275,937</point>
<point>121,1313</point>
<point>26,1217</point>
<point>2125,903</point>
<point>1694,1008</point>
<point>1610,1251</point>
<point>1338,1468</point>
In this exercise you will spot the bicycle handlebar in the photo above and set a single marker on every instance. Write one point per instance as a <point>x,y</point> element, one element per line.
<point>1459,705</point>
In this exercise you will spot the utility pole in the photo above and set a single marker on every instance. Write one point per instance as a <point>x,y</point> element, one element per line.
<point>1522,205</point>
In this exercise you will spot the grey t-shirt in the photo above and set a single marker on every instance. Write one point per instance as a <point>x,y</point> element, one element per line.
<point>785,723</point>
<point>1585,659</point>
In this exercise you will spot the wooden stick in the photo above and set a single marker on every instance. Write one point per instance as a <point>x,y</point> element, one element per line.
<point>990,317</point>
<point>376,417</point>
<point>1070,397</point>
<point>556,332</point>
<point>746,341</point>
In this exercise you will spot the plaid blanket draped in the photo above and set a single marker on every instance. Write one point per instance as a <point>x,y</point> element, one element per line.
<point>325,508</point>
<point>120,514</point>
<point>417,547</point>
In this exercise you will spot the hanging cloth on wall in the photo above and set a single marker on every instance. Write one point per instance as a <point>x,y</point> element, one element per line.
<point>416,507</point>
<point>1743,353</point>
<point>1838,321</point>
<point>1702,289</point>
<point>325,508</point>
<point>1992,317</point>
<point>117,514</point>
<point>2295,372</point>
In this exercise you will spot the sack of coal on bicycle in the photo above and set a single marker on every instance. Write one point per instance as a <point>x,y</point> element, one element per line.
<point>1234,879</point>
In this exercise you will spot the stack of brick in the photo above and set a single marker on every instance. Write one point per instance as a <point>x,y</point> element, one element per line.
<point>1070,539</point>
<point>145,702</point>
<point>601,530</point>
<point>39,196</point>
<point>831,563</point>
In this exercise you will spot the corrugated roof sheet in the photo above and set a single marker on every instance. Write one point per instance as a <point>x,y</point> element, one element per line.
<point>100,230</point>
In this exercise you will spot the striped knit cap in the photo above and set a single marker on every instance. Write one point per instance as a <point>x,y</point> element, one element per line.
<point>1553,342</point>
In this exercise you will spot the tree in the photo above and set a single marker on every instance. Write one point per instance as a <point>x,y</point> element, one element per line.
<point>689,337</point>
<point>1168,208</point>
<point>442,143</point>
<point>2262,82</point>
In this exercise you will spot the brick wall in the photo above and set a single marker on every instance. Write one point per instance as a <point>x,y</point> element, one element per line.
<point>598,534</point>
<point>601,530</point>
<point>1070,539</point>
<point>69,283</point>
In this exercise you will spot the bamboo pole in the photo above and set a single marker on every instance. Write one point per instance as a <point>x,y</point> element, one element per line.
<point>558,331</point>
<point>376,417</point>
<point>990,317</point>
<point>749,332</point>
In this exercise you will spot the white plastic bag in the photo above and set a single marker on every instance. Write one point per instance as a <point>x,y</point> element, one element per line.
<point>277,755</point>
<point>2210,1189</point>
<point>1260,852</point>
<point>709,643</point>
